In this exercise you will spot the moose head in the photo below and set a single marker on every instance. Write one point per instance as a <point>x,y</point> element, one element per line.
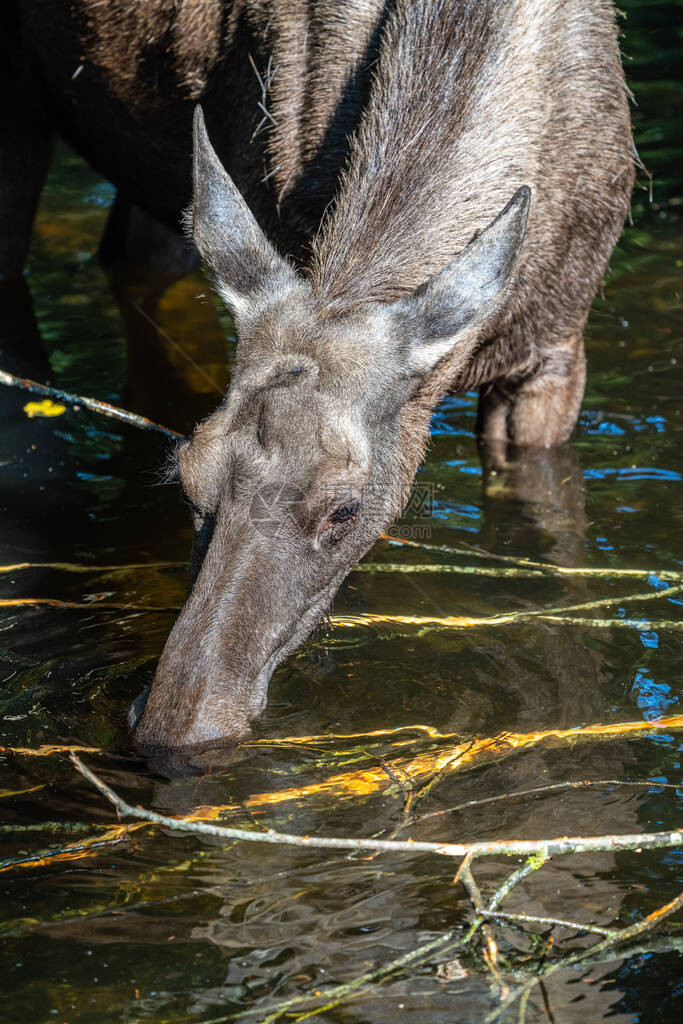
<point>309,457</point>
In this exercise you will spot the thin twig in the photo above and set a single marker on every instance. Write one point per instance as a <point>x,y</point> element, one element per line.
<point>408,817</point>
<point>644,625</point>
<point>448,943</point>
<point>444,945</point>
<point>553,922</point>
<point>615,939</point>
<point>523,563</point>
<point>522,1008</point>
<point>133,419</point>
<point>583,784</point>
<point>531,864</point>
<point>472,889</point>
<point>664,943</point>
<point>464,864</point>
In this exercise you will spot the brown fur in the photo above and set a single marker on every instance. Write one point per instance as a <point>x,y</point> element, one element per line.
<point>372,141</point>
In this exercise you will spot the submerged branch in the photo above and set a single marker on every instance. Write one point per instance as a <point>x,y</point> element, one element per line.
<point>48,749</point>
<point>443,946</point>
<point>552,922</point>
<point>551,787</point>
<point>531,864</point>
<point>449,758</point>
<point>425,622</point>
<point>519,560</point>
<point>79,567</point>
<point>486,916</point>
<point>113,412</point>
<point>428,766</point>
<point>521,847</point>
<point>48,826</point>
<point>467,879</point>
<point>530,570</point>
<point>535,570</point>
<point>644,625</point>
<point>55,602</point>
<point>613,940</point>
<point>554,614</point>
<point>112,836</point>
<point>122,905</point>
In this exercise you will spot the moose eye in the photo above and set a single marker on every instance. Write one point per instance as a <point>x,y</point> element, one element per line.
<point>345,513</point>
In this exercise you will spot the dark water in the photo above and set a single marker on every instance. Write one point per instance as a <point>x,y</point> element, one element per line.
<point>164,928</point>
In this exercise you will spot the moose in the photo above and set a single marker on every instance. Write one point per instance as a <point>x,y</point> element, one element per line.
<point>397,200</point>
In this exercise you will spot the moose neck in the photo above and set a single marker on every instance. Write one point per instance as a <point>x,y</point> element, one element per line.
<point>406,205</point>
<point>316,64</point>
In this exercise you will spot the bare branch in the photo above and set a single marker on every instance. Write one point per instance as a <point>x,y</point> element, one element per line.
<point>542,848</point>
<point>613,940</point>
<point>133,419</point>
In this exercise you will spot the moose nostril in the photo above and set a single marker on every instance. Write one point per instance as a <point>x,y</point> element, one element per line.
<point>136,708</point>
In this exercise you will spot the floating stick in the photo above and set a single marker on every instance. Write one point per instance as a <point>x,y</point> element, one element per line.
<point>133,419</point>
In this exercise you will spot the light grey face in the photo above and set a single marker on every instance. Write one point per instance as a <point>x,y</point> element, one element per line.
<point>304,464</point>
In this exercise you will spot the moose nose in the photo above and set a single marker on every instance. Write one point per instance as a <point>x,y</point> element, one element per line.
<point>177,762</point>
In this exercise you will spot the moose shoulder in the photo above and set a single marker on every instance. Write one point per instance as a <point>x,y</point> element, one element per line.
<point>405,199</point>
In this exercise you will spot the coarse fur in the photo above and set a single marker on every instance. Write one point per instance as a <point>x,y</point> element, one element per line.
<point>447,179</point>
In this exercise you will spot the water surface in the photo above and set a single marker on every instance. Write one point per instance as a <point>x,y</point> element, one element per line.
<point>160,927</point>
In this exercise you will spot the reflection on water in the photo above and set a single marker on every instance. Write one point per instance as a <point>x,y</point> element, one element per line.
<point>160,927</point>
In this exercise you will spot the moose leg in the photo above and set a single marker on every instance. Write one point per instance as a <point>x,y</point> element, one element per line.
<point>534,495</point>
<point>26,139</point>
<point>136,242</point>
<point>143,259</point>
<point>541,409</point>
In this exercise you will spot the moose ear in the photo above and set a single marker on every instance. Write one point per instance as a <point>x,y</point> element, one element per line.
<point>246,266</point>
<point>450,308</point>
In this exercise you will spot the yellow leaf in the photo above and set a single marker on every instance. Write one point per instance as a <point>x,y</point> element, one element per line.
<point>45,408</point>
